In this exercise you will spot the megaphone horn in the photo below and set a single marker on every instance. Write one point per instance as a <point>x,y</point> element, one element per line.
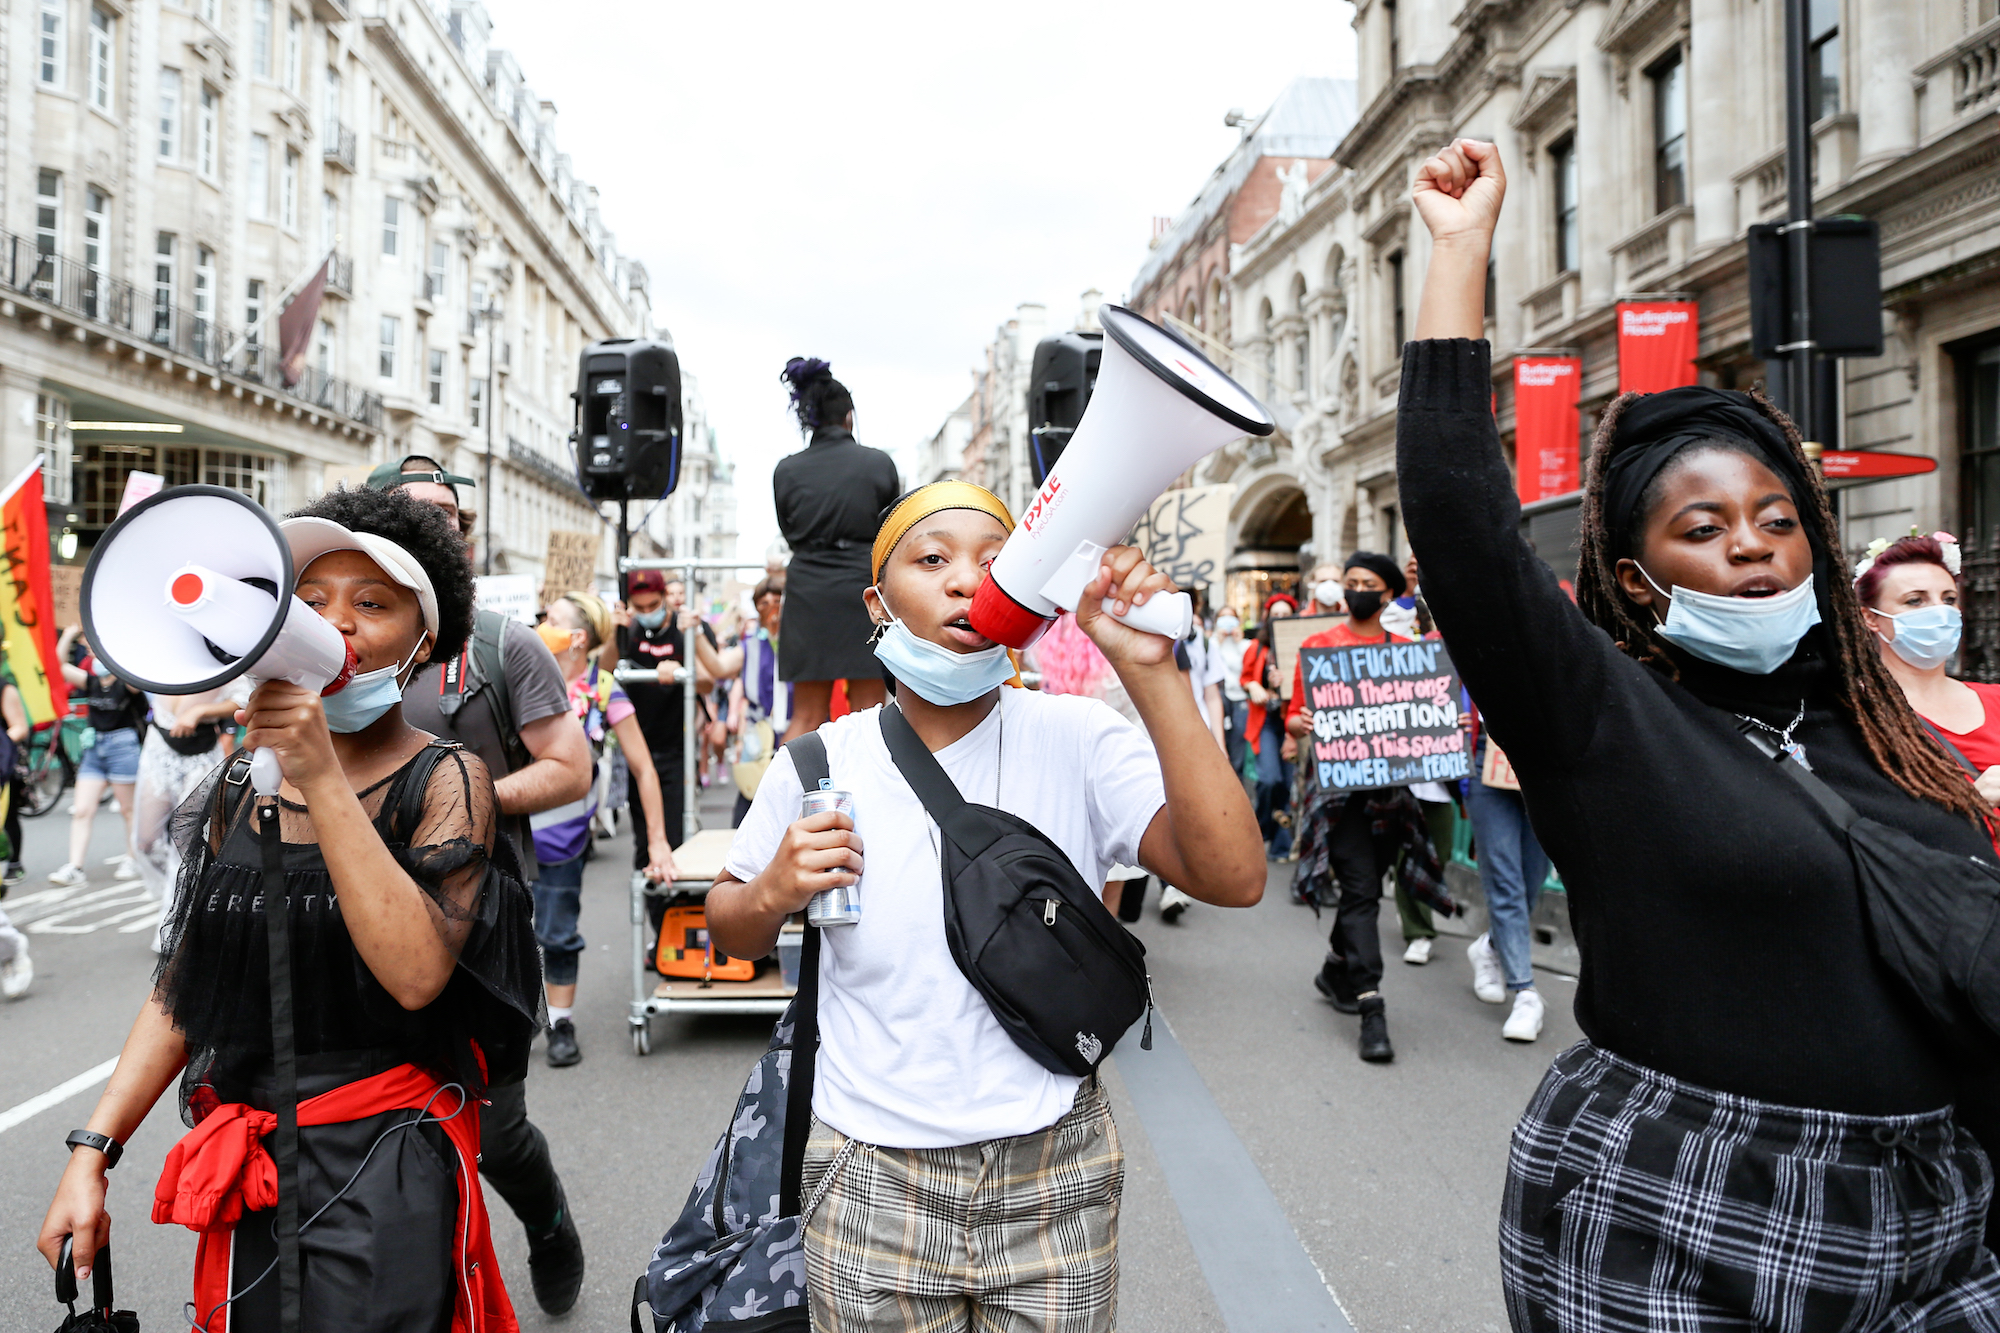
<point>225,610</point>
<point>1158,408</point>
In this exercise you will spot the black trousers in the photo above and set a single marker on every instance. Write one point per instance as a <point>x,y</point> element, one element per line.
<point>673,788</point>
<point>514,1156</point>
<point>17,796</point>
<point>1357,867</point>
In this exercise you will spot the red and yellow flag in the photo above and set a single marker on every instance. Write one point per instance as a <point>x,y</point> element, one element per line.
<point>27,602</point>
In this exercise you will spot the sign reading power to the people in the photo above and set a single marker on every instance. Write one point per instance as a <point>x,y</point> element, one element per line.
<point>1383,715</point>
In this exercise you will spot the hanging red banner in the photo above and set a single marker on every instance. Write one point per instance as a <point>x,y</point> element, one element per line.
<point>1657,341</point>
<point>1546,428</point>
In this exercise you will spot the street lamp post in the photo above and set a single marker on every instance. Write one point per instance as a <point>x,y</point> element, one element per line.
<point>490,316</point>
<point>1798,229</point>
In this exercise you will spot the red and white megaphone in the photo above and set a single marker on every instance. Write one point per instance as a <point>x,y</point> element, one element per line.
<point>192,588</point>
<point>1159,406</point>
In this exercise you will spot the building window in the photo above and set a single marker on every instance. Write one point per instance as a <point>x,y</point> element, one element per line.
<point>102,28</point>
<point>48,231</point>
<point>170,115</point>
<point>386,363</point>
<point>1396,325</point>
<point>1389,19</point>
<point>1823,58</point>
<point>434,376</point>
<point>52,438</point>
<point>392,225</point>
<point>205,131</point>
<point>1563,171</point>
<point>324,352</point>
<point>475,402</point>
<point>96,228</point>
<point>434,280</point>
<point>288,192</point>
<point>332,95</point>
<point>51,52</point>
<point>211,12</point>
<point>163,288</point>
<point>253,325</point>
<point>1302,362</point>
<point>295,51</point>
<point>258,476</point>
<point>257,177</point>
<point>204,300</point>
<point>1669,133</point>
<point>260,38</point>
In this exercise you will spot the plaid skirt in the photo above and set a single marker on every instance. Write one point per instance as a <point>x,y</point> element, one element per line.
<point>1016,1235</point>
<point>1637,1202</point>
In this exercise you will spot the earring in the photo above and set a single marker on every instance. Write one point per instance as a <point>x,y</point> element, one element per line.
<point>881,628</point>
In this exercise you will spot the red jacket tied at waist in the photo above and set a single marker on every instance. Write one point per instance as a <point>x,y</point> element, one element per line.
<point>220,1169</point>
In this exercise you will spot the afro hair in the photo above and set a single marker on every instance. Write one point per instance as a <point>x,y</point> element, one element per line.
<point>426,533</point>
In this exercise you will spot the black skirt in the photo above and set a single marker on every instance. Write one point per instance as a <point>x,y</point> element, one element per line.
<point>825,631</point>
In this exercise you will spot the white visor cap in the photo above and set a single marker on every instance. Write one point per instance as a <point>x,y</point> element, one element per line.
<point>311,538</point>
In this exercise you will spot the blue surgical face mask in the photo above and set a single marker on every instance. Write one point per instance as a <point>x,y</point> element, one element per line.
<point>1753,634</point>
<point>366,697</point>
<point>937,673</point>
<point>1926,637</point>
<point>652,619</point>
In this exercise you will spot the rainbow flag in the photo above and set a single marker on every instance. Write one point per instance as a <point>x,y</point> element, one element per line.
<point>27,602</point>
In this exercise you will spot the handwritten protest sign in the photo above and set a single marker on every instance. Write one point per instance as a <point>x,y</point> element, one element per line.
<point>1497,771</point>
<point>571,562</point>
<point>1287,633</point>
<point>1383,715</point>
<point>1184,534</point>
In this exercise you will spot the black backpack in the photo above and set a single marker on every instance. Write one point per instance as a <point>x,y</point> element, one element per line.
<point>481,665</point>
<point>1058,971</point>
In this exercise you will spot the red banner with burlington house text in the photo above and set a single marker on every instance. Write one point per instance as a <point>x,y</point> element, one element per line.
<point>1657,341</point>
<point>1546,428</point>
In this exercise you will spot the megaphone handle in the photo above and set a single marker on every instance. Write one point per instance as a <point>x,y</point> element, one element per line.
<point>1171,614</point>
<point>265,775</point>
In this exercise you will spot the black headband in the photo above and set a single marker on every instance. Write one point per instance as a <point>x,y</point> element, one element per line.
<point>1656,427</point>
<point>1381,566</point>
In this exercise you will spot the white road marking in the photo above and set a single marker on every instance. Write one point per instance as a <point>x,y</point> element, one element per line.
<point>57,1095</point>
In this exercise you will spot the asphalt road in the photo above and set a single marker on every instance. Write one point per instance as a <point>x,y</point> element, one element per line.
<point>1389,1176</point>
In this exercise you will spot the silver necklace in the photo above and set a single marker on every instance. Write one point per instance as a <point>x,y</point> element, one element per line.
<point>1787,747</point>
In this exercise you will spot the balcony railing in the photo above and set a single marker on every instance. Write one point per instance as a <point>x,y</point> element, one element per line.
<point>533,460</point>
<point>339,148</point>
<point>340,276</point>
<point>117,306</point>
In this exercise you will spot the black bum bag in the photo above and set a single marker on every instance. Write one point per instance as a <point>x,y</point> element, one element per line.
<point>1058,971</point>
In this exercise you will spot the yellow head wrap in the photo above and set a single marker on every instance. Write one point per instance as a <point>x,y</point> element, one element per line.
<point>924,501</point>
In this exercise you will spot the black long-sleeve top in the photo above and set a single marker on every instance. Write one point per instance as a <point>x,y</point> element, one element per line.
<point>1715,908</point>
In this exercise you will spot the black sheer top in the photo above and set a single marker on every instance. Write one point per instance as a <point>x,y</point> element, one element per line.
<point>213,980</point>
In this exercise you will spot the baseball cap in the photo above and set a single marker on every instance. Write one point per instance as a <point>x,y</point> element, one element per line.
<point>645,580</point>
<point>311,538</point>
<point>400,473</point>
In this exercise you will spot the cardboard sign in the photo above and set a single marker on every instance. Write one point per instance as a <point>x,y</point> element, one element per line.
<point>571,563</point>
<point>1183,534</point>
<point>66,583</point>
<point>1383,715</point>
<point>512,595</point>
<point>1287,633</point>
<point>1495,771</point>
<point>139,486</point>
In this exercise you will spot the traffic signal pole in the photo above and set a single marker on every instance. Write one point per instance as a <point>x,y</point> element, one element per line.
<point>1799,347</point>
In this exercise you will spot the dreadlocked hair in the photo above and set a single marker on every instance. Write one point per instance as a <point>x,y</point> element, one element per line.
<point>1865,690</point>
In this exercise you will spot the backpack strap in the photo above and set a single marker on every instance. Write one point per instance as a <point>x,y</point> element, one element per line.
<point>482,665</point>
<point>410,802</point>
<point>809,758</point>
<point>934,786</point>
<point>1949,748</point>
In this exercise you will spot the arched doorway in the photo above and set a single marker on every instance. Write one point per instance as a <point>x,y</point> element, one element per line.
<point>1275,524</point>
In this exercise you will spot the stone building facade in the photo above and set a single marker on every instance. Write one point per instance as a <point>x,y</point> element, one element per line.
<point>171,170</point>
<point>1642,139</point>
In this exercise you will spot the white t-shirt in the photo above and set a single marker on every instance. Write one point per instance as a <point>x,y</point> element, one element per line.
<point>1227,654</point>
<point>910,1056</point>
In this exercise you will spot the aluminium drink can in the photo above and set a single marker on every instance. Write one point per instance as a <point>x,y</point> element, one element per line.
<point>840,905</point>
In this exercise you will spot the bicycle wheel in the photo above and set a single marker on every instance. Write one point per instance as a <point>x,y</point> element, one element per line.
<point>49,773</point>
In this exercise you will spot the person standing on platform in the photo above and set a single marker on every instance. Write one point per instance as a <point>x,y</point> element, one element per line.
<point>830,497</point>
<point>502,697</point>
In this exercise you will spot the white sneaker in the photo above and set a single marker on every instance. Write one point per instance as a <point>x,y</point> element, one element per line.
<point>69,875</point>
<point>16,973</point>
<point>124,867</point>
<point>1489,983</point>
<point>1525,1023</point>
<point>1418,953</point>
<point>1172,903</point>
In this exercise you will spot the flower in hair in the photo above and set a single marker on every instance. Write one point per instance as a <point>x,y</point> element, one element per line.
<point>1954,556</point>
<point>1867,562</point>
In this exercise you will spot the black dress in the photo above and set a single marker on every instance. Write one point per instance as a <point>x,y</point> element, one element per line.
<point>830,496</point>
<point>380,1257</point>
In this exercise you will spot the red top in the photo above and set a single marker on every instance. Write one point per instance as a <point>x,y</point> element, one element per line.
<point>1340,636</point>
<point>1981,745</point>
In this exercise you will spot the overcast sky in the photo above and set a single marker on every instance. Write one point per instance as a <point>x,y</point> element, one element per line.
<point>880,185</point>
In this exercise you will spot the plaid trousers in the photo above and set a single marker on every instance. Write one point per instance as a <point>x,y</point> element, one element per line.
<point>1016,1235</point>
<point>1638,1202</point>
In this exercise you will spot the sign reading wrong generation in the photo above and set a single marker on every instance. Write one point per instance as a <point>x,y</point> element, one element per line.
<point>1383,715</point>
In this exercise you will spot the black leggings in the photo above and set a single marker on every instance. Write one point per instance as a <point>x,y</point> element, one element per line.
<point>17,795</point>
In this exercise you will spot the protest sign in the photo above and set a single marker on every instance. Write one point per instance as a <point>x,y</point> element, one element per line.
<point>66,586</point>
<point>1496,771</point>
<point>1184,534</point>
<point>512,595</point>
<point>1287,632</point>
<point>571,563</point>
<point>1383,715</point>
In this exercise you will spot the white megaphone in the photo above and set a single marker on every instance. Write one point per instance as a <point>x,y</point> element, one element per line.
<point>192,588</point>
<point>1158,407</point>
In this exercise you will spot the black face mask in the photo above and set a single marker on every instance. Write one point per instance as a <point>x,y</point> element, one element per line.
<point>1363,603</point>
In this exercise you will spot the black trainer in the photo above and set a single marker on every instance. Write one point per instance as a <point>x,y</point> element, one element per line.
<point>563,1050</point>
<point>1375,1047</point>
<point>555,1261</point>
<point>1331,982</point>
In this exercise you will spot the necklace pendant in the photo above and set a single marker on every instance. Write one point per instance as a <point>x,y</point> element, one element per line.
<point>1796,752</point>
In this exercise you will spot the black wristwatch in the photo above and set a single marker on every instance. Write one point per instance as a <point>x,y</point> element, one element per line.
<point>104,1143</point>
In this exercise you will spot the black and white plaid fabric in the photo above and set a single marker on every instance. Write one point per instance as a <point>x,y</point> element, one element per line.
<point>1638,1203</point>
